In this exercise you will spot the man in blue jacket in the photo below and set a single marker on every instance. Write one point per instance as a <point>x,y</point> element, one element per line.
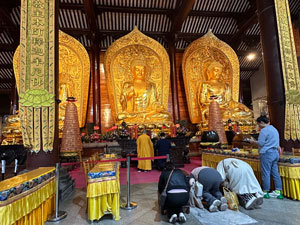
<point>268,144</point>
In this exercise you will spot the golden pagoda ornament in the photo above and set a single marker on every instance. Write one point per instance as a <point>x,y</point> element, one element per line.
<point>71,140</point>
<point>215,120</point>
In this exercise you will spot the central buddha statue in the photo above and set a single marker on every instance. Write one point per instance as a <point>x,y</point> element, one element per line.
<point>137,69</point>
<point>214,86</point>
<point>138,97</point>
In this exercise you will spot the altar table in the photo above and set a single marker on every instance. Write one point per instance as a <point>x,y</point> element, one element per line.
<point>290,173</point>
<point>28,199</point>
<point>103,191</point>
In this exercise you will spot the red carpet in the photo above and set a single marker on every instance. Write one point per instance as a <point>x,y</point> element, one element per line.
<point>135,176</point>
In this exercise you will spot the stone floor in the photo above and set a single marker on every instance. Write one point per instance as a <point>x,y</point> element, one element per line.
<point>273,211</point>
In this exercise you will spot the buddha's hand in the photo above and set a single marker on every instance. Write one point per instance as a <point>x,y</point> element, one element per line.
<point>159,108</point>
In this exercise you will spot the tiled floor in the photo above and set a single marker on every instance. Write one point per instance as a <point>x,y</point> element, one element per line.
<point>273,211</point>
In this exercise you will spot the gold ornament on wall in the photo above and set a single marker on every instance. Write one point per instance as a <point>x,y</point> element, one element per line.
<point>138,75</point>
<point>211,68</point>
<point>74,75</point>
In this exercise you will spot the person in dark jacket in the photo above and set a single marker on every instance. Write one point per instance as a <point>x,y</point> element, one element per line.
<point>177,192</point>
<point>163,147</point>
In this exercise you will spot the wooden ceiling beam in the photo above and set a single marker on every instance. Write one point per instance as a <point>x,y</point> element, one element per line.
<point>8,47</point>
<point>201,13</point>
<point>6,66</point>
<point>6,80</point>
<point>249,69</point>
<point>248,19</point>
<point>181,13</point>
<point>71,6</point>
<point>101,9</point>
<point>11,28</point>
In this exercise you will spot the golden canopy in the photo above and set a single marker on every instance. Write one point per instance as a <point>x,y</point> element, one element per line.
<point>74,74</point>
<point>123,61</point>
<point>201,56</point>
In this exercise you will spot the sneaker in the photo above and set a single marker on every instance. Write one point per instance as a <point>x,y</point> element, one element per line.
<point>223,200</point>
<point>266,195</point>
<point>173,219</point>
<point>260,199</point>
<point>214,206</point>
<point>276,194</point>
<point>223,205</point>
<point>139,171</point>
<point>182,218</point>
<point>251,203</point>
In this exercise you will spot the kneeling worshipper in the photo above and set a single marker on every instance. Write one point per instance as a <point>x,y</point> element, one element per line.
<point>144,149</point>
<point>211,181</point>
<point>239,177</point>
<point>177,192</point>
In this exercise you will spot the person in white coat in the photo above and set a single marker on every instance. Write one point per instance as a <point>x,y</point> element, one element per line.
<point>239,177</point>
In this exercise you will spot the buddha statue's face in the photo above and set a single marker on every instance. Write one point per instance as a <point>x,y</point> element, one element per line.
<point>214,73</point>
<point>139,72</point>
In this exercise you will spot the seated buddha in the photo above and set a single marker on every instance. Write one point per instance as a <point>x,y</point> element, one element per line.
<point>215,86</point>
<point>63,96</point>
<point>138,98</point>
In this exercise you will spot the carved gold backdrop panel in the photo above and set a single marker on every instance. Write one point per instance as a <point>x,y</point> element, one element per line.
<point>74,73</point>
<point>118,62</point>
<point>198,56</point>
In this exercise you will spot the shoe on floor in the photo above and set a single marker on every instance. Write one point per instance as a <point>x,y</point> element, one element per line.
<point>139,171</point>
<point>223,200</point>
<point>251,203</point>
<point>260,199</point>
<point>182,218</point>
<point>173,219</point>
<point>214,206</point>
<point>266,195</point>
<point>223,207</point>
<point>276,194</point>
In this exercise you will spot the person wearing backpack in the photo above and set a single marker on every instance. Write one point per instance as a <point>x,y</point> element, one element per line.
<point>176,183</point>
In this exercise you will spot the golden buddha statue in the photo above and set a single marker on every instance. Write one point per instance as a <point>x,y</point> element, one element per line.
<point>137,69</point>
<point>215,86</point>
<point>63,96</point>
<point>12,131</point>
<point>138,97</point>
<point>211,68</point>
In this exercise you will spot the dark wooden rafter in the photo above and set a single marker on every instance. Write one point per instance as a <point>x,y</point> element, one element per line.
<point>6,80</point>
<point>248,19</point>
<point>180,15</point>
<point>142,10</point>
<point>6,66</point>
<point>8,47</point>
<point>94,35</point>
<point>91,18</point>
<point>9,26</point>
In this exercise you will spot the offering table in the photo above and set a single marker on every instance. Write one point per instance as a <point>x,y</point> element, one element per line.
<point>290,173</point>
<point>103,191</point>
<point>28,198</point>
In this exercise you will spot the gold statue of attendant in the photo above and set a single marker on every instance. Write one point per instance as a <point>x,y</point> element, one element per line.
<point>138,98</point>
<point>214,86</point>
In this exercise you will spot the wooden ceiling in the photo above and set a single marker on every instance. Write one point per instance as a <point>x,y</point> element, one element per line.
<point>100,22</point>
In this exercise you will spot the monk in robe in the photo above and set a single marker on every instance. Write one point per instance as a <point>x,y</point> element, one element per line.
<point>144,149</point>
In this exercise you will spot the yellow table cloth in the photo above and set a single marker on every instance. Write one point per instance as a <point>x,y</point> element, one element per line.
<point>30,207</point>
<point>103,194</point>
<point>290,173</point>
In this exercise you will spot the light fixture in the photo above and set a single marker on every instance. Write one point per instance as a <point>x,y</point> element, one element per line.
<point>251,56</point>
